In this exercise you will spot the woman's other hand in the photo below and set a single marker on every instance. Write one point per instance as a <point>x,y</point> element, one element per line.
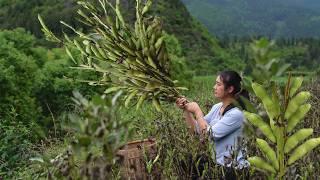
<point>181,102</point>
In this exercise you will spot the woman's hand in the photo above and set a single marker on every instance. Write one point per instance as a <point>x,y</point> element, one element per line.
<point>192,107</point>
<point>181,102</point>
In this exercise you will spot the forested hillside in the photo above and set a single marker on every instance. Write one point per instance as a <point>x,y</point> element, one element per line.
<point>272,18</point>
<point>23,13</point>
<point>197,44</point>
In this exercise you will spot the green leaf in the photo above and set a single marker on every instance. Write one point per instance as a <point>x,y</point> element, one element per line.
<point>70,55</point>
<point>131,95</point>
<point>156,104</point>
<point>49,35</point>
<point>84,140</point>
<point>38,159</point>
<point>146,7</point>
<point>282,69</point>
<point>182,88</point>
<point>141,100</point>
<point>118,12</point>
<point>112,89</point>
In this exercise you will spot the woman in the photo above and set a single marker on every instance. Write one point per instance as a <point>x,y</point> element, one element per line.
<point>224,122</point>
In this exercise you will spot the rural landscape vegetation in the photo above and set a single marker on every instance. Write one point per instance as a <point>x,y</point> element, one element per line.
<point>81,79</point>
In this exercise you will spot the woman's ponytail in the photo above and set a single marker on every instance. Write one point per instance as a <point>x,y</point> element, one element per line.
<point>241,97</point>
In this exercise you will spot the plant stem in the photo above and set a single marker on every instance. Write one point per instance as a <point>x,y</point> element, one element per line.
<point>280,149</point>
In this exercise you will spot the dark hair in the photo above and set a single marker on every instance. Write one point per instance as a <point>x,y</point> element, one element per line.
<point>232,78</point>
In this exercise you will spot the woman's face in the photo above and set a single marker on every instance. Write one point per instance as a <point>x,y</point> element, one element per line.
<point>219,89</point>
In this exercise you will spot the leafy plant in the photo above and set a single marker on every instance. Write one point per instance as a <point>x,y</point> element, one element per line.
<point>266,65</point>
<point>284,114</point>
<point>98,136</point>
<point>131,59</point>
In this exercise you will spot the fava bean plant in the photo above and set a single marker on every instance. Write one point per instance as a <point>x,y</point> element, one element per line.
<point>283,145</point>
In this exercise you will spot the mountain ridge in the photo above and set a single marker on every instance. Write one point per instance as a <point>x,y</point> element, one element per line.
<point>272,18</point>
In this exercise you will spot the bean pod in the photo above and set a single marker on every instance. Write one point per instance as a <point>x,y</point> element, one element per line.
<point>297,116</point>
<point>272,108</point>
<point>269,152</point>
<point>296,138</point>
<point>261,164</point>
<point>258,122</point>
<point>303,149</point>
<point>295,85</point>
<point>295,102</point>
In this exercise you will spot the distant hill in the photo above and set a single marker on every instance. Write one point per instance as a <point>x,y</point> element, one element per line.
<point>311,4</point>
<point>274,18</point>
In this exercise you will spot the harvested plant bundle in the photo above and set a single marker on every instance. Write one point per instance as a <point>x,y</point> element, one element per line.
<point>134,60</point>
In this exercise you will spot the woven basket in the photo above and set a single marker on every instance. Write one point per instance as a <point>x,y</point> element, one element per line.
<point>132,160</point>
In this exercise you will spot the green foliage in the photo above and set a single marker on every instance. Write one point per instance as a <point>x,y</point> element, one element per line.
<point>267,65</point>
<point>301,53</point>
<point>280,128</point>
<point>34,94</point>
<point>15,141</point>
<point>296,138</point>
<point>18,70</point>
<point>98,135</point>
<point>178,68</point>
<point>19,113</point>
<point>21,13</point>
<point>57,80</point>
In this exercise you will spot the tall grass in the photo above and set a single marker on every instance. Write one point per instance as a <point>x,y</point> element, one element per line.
<point>179,149</point>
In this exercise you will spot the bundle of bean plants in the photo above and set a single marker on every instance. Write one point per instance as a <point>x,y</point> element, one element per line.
<point>131,58</point>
